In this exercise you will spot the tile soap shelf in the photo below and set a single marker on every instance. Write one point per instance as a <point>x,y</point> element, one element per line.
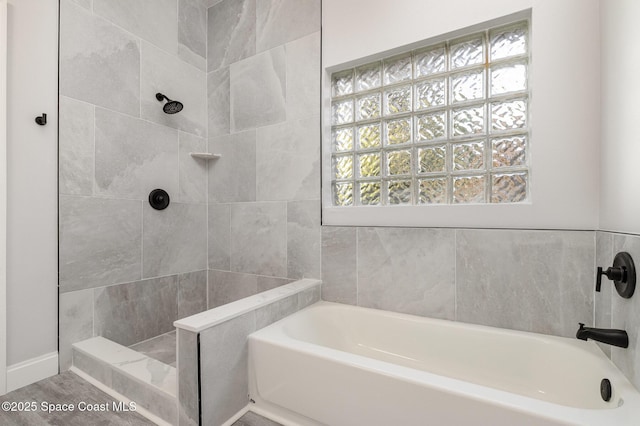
<point>205,155</point>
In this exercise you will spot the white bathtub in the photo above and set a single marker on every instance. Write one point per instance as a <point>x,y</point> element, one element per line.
<point>333,364</point>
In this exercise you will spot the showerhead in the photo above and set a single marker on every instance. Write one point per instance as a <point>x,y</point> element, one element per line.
<point>171,107</point>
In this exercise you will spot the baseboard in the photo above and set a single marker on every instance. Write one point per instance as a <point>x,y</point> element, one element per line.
<point>32,370</point>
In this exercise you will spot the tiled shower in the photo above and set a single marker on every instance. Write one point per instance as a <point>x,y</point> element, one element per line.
<point>249,75</point>
<point>242,224</point>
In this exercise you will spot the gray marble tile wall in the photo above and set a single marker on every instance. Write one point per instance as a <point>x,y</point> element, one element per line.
<point>602,300</point>
<point>226,286</point>
<point>224,358</point>
<point>187,360</point>
<point>128,271</point>
<point>263,86</point>
<point>538,281</point>
<point>130,312</point>
<point>613,311</point>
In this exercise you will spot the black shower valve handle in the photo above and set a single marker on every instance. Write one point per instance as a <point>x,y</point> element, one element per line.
<point>622,273</point>
<point>612,273</point>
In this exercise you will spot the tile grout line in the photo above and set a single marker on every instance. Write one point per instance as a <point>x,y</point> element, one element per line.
<point>455,275</point>
<point>207,147</point>
<point>93,312</point>
<point>357,272</point>
<point>142,241</point>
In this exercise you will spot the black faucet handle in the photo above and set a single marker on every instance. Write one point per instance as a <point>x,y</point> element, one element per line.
<point>622,273</point>
<point>612,273</point>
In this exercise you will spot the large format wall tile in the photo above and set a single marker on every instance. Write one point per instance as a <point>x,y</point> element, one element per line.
<point>133,156</point>
<point>407,270</point>
<point>275,311</point>
<point>280,21</point>
<point>339,265</point>
<point>540,281</point>
<point>258,90</point>
<point>625,314</point>
<point>76,147</point>
<point>100,242</point>
<point>219,236</point>
<point>231,32</point>
<point>192,293</point>
<point>303,239</point>
<point>75,324</point>
<point>132,312</point>
<point>232,178</point>
<point>226,287</point>
<point>153,20</point>
<point>219,98</point>
<point>303,77</point>
<point>174,240</point>
<point>288,161</point>
<point>224,368</point>
<point>193,171</point>
<point>602,300</point>
<point>192,32</point>
<point>155,400</point>
<point>99,62</point>
<point>166,74</point>
<point>268,283</point>
<point>259,239</point>
<point>87,4</point>
<point>188,397</point>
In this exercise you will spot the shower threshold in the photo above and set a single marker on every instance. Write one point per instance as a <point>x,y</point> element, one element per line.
<point>144,373</point>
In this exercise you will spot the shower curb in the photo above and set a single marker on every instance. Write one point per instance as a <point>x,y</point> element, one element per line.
<point>148,382</point>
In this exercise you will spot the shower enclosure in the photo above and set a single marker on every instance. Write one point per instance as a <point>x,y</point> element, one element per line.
<point>247,78</point>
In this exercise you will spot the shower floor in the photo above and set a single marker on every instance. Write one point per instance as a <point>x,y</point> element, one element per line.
<point>162,348</point>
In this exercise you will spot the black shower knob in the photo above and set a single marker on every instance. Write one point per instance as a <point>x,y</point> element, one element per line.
<point>159,199</point>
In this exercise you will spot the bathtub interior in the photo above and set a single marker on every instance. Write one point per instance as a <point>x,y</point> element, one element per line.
<point>546,368</point>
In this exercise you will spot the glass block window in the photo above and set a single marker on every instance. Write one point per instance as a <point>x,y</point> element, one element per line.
<point>443,124</point>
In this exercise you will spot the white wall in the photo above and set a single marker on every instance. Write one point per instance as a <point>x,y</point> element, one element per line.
<point>620,145</point>
<point>32,183</point>
<point>565,113</point>
<point>3,195</point>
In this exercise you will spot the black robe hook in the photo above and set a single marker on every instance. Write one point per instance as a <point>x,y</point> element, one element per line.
<point>42,120</point>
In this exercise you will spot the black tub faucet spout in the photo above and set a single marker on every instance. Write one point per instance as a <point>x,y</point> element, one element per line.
<point>604,335</point>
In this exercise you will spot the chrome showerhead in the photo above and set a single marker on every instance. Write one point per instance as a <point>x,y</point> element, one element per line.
<point>171,107</point>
